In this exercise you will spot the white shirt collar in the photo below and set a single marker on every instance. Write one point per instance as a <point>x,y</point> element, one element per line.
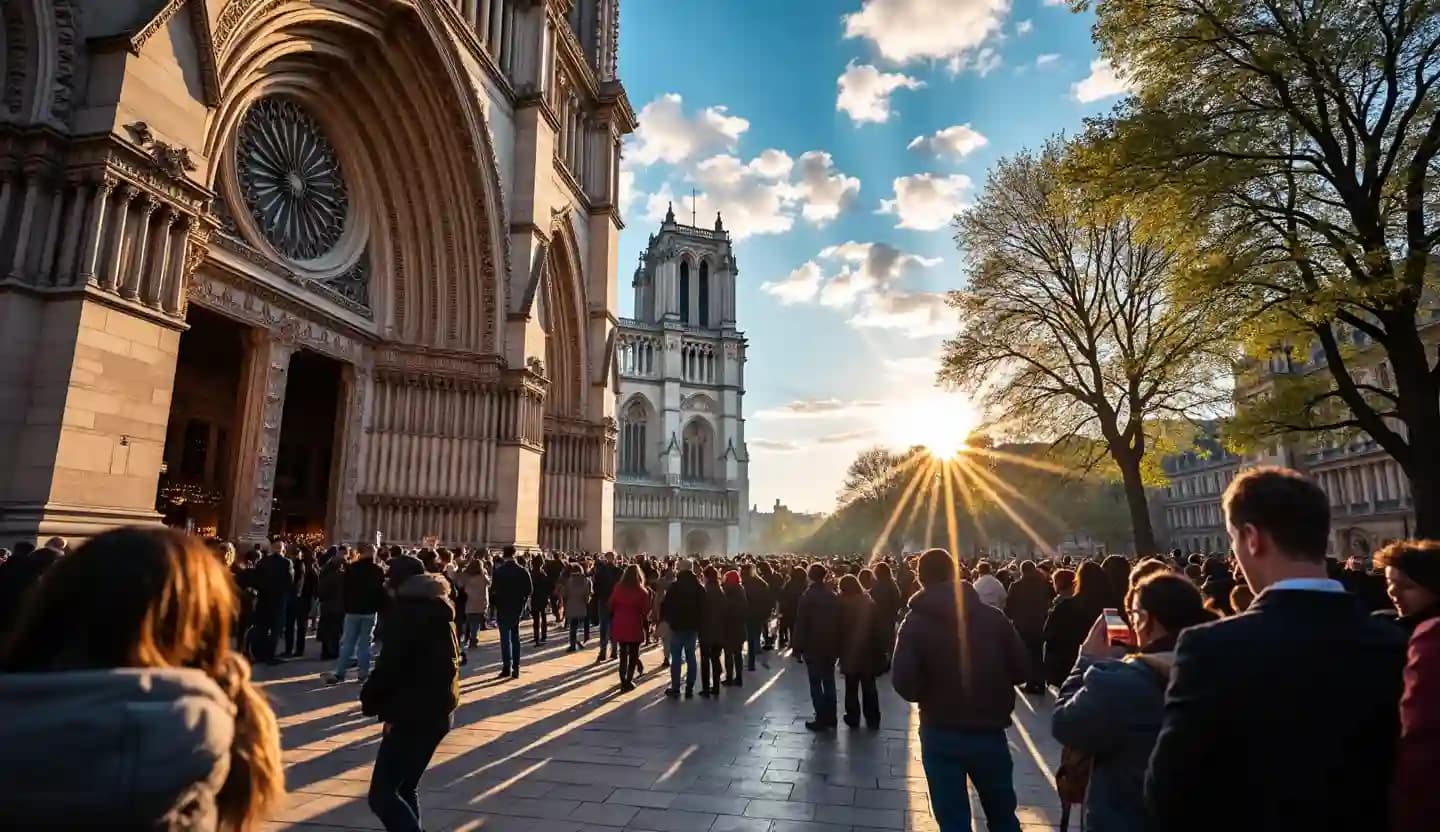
<point>1308,585</point>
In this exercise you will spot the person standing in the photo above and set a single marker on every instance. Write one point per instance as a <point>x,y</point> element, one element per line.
<point>712,633</point>
<point>1255,695</point>
<point>297,622</point>
<point>1027,604</point>
<point>989,587</point>
<point>817,638</point>
<point>330,587</point>
<point>863,646</point>
<point>275,588</point>
<point>759,604</point>
<point>888,603</point>
<point>510,590</point>
<point>682,609</point>
<point>577,592</point>
<point>414,689</point>
<point>541,589</point>
<point>789,603</point>
<point>1070,619</point>
<point>607,575</point>
<point>364,597</point>
<point>629,610</point>
<point>960,659</point>
<point>737,612</point>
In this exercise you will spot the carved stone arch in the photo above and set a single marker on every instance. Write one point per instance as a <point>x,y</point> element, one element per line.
<point>38,57</point>
<point>700,402</point>
<point>386,87</point>
<point>567,313</point>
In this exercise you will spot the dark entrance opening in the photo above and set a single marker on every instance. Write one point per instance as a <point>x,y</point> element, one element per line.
<point>303,468</point>
<point>197,474</point>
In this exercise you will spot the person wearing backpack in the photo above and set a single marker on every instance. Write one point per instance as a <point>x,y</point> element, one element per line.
<point>1110,709</point>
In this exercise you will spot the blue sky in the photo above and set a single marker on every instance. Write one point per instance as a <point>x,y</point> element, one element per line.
<point>837,137</point>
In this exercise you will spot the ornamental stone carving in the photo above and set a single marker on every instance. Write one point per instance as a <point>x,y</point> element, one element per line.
<point>291,179</point>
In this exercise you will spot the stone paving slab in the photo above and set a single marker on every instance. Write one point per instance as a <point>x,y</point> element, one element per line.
<point>562,750</point>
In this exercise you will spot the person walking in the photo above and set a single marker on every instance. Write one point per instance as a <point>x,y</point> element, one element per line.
<point>1254,695</point>
<point>737,612</point>
<point>863,648</point>
<point>125,705</point>
<point>330,588</point>
<point>607,575</point>
<point>682,610</point>
<point>476,582</point>
<point>1027,605</point>
<point>817,638</point>
<point>576,592</point>
<point>959,659</point>
<point>363,597</point>
<point>541,588</point>
<point>629,610</point>
<point>712,633</point>
<point>414,689</point>
<point>510,590</point>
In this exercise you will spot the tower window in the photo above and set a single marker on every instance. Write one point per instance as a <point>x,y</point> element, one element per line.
<point>704,294</point>
<point>684,293</point>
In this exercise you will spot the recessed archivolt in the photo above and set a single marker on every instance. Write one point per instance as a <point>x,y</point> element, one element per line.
<point>412,142</point>
<point>566,352</point>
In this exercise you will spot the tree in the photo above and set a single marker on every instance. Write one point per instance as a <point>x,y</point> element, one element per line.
<point>870,475</point>
<point>1071,325</point>
<point>1296,144</point>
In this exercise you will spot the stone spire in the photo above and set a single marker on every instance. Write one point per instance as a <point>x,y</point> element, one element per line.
<point>719,226</point>
<point>670,214</point>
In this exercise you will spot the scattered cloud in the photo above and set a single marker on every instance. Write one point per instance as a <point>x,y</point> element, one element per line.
<point>817,408</point>
<point>957,141</point>
<point>844,437</point>
<point>917,314</point>
<point>800,286</point>
<point>1024,27</point>
<point>1047,58</point>
<point>862,268</point>
<point>625,192</point>
<point>822,190</point>
<point>1056,2</point>
<point>774,446</point>
<point>982,62</point>
<point>927,202</point>
<point>667,134</point>
<point>904,31</point>
<point>1103,81</point>
<point>864,92</point>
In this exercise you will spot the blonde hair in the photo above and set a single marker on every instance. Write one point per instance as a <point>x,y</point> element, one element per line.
<point>168,602</point>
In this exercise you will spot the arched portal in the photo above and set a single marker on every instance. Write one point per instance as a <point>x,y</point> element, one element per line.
<point>634,441</point>
<point>697,542</point>
<point>697,446</point>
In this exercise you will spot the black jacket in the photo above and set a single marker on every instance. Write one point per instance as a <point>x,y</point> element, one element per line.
<point>275,580</point>
<point>864,642</point>
<point>607,575</point>
<point>683,604</point>
<point>712,622</point>
<point>510,587</point>
<point>1298,700</point>
<point>1067,625</point>
<point>737,612</point>
<point>1027,603</point>
<point>417,677</point>
<point>888,604</point>
<point>759,599</point>
<point>364,587</point>
<point>817,624</point>
<point>790,597</point>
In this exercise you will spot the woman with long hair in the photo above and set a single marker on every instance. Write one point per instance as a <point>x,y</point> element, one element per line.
<point>125,706</point>
<point>629,608</point>
<point>1070,619</point>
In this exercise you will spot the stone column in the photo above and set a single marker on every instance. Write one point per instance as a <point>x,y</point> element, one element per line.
<point>160,260</point>
<point>92,241</point>
<point>116,245</point>
<point>74,228</point>
<point>344,520</point>
<point>262,407</point>
<point>140,246</point>
<point>23,231</point>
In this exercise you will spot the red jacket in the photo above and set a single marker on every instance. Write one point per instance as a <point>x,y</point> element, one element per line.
<point>1416,800</point>
<point>629,607</point>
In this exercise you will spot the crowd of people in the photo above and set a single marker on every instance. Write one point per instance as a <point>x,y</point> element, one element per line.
<point>1277,677</point>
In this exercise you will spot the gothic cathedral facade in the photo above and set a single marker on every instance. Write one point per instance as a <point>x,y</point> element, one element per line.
<point>325,270</point>
<point>683,482</point>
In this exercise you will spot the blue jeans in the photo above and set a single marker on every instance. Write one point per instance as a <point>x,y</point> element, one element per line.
<point>822,690</point>
<point>355,636</point>
<point>509,625</point>
<point>604,627</point>
<point>949,756</point>
<point>474,623</point>
<point>405,752</point>
<point>682,644</point>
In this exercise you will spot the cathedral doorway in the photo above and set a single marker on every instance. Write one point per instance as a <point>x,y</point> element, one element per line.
<point>197,473</point>
<point>697,542</point>
<point>304,467</point>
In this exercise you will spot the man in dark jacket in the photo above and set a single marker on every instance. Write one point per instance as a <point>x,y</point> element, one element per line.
<point>681,609</point>
<point>1297,698</point>
<point>414,689</point>
<point>510,589</point>
<point>1028,604</point>
<point>817,638</point>
<point>364,597</point>
<point>960,659</point>
<point>759,604</point>
<point>276,588</point>
<point>306,587</point>
<point>607,575</point>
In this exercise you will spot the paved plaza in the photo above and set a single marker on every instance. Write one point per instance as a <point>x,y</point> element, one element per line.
<point>561,750</point>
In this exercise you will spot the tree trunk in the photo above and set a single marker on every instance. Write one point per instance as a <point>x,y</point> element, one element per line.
<point>1138,502</point>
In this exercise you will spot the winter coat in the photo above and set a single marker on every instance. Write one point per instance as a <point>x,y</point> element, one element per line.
<point>737,611</point>
<point>477,591</point>
<point>1067,625</point>
<point>863,639</point>
<point>888,604</point>
<point>607,576</point>
<point>510,588</point>
<point>575,593</point>
<point>275,581</point>
<point>306,578</point>
<point>542,587</point>
<point>759,600</point>
<point>817,624</point>
<point>416,679</point>
<point>682,606</point>
<point>959,661</point>
<point>712,621</point>
<point>1415,800</point>
<point>790,598</point>
<point>1028,604</point>
<point>991,591</point>
<point>629,610</point>
<point>364,587</point>
<point>330,587</point>
<point>1112,710</point>
<point>120,748</point>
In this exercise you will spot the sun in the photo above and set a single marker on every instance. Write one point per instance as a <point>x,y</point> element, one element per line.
<point>940,422</point>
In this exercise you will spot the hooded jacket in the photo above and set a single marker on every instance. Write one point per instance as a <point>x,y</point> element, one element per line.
<point>137,748</point>
<point>417,677</point>
<point>683,603</point>
<point>959,659</point>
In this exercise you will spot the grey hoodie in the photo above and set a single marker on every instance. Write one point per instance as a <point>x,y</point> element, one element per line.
<point>119,748</point>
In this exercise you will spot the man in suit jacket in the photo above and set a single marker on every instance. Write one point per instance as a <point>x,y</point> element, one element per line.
<point>1292,706</point>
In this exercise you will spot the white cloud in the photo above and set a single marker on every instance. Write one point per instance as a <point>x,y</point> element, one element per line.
<point>822,190</point>
<point>1103,81</point>
<point>845,437</point>
<point>926,202</point>
<point>957,141</point>
<point>817,408</point>
<point>667,134</point>
<point>775,446</point>
<point>1056,2</point>
<point>866,280</point>
<point>864,92</point>
<point>917,314</point>
<point>917,30</point>
<point>982,62</point>
<point>772,164</point>
<point>626,191</point>
<point>1047,58</point>
<point>866,268</point>
<point>914,366</point>
<point>1024,27</point>
<point>801,285</point>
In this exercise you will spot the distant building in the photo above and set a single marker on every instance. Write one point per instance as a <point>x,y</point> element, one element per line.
<point>1191,502</point>
<point>769,529</point>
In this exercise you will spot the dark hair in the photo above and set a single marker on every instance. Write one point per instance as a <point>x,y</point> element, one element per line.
<point>1063,578</point>
<point>1418,559</point>
<point>1172,601</point>
<point>983,568</point>
<point>850,585</point>
<point>1092,584</point>
<point>508,551</point>
<point>1117,569</point>
<point>1027,567</point>
<point>1283,504</point>
<point>882,571</point>
<point>711,575</point>
<point>936,567</point>
<point>817,572</point>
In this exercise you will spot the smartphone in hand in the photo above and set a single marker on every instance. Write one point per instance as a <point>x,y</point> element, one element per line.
<point>1117,631</point>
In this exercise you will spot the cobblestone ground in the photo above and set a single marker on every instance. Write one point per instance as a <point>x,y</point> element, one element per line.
<point>562,750</point>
